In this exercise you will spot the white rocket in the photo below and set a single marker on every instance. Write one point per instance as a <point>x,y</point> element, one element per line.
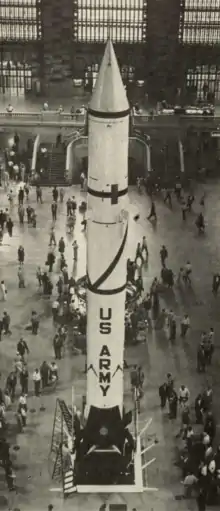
<point>107,232</point>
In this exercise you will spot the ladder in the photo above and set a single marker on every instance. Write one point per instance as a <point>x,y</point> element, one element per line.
<point>57,470</point>
<point>66,414</point>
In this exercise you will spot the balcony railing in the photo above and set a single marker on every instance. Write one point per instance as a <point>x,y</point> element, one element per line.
<point>45,118</point>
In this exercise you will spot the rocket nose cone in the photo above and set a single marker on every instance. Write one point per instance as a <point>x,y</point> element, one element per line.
<point>109,93</point>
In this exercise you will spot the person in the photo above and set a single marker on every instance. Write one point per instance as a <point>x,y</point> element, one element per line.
<point>34,323</point>
<point>184,326</point>
<point>199,412</point>
<point>163,255</point>
<point>75,251</point>
<point>9,226</point>
<point>22,347</point>
<point>21,279</point>
<point>6,320</point>
<point>21,254</point>
<point>53,372</point>
<point>44,372</point>
<point>61,245</point>
<point>11,383</point>
<point>163,395</point>
<point>52,236</point>
<point>39,194</point>
<point>61,195</point>
<point>200,223</point>
<point>55,194</point>
<point>152,213</point>
<point>4,291</point>
<point>24,376</point>
<point>37,382</point>
<point>50,260</point>
<point>144,247</point>
<point>173,404</point>
<point>184,394</point>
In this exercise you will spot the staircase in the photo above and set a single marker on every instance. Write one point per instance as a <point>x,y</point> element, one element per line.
<point>43,179</point>
<point>57,166</point>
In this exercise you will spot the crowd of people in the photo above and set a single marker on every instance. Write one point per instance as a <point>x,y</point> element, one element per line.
<point>199,456</point>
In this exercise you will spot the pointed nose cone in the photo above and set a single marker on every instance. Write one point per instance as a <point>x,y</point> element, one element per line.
<point>109,94</point>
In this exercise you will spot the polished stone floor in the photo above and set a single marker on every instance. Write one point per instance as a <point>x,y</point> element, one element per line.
<point>158,355</point>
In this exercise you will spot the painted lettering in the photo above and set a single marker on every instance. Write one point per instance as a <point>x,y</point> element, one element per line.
<point>104,390</point>
<point>104,370</point>
<point>104,363</point>
<point>108,316</point>
<point>105,326</point>
<point>104,352</point>
<point>104,378</point>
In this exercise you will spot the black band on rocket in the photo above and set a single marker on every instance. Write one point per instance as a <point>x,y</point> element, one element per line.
<point>95,287</point>
<point>106,195</point>
<point>109,115</point>
<point>106,292</point>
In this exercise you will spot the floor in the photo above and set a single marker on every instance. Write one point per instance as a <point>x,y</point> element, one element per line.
<point>158,355</point>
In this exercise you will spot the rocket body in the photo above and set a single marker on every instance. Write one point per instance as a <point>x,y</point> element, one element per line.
<point>107,231</point>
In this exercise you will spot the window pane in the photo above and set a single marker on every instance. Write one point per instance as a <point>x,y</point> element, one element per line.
<point>20,20</point>
<point>125,19</point>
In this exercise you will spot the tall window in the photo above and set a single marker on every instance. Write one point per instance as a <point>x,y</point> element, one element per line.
<point>200,22</point>
<point>124,20</point>
<point>204,80</point>
<point>15,78</point>
<point>20,20</point>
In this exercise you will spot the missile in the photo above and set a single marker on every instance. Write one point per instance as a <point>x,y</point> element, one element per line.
<point>104,441</point>
<point>107,233</point>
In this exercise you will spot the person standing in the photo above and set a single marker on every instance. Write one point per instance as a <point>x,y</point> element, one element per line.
<point>21,278</point>
<point>9,226</point>
<point>152,213</point>
<point>39,194</point>
<point>4,291</point>
<point>55,194</point>
<point>61,246</point>
<point>37,382</point>
<point>6,320</point>
<point>185,324</point>
<point>54,211</point>
<point>21,254</point>
<point>75,251</point>
<point>34,323</point>
<point>24,377</point>
<point>163,395</point>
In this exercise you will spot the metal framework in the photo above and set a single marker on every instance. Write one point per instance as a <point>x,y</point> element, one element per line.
<point>20,20</point>
<point>124,20</point>
<point>200,22</point>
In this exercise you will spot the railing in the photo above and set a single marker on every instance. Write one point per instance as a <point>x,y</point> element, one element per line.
<point>69,154</point>
<point>181,151</point>
<point>47,118</point>
<point>34,155</point>
<point>144,139</point>
<point>144,119</point>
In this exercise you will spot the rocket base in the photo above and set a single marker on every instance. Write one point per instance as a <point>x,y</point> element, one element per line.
<point>129,484</point>
<point>108,459</point>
